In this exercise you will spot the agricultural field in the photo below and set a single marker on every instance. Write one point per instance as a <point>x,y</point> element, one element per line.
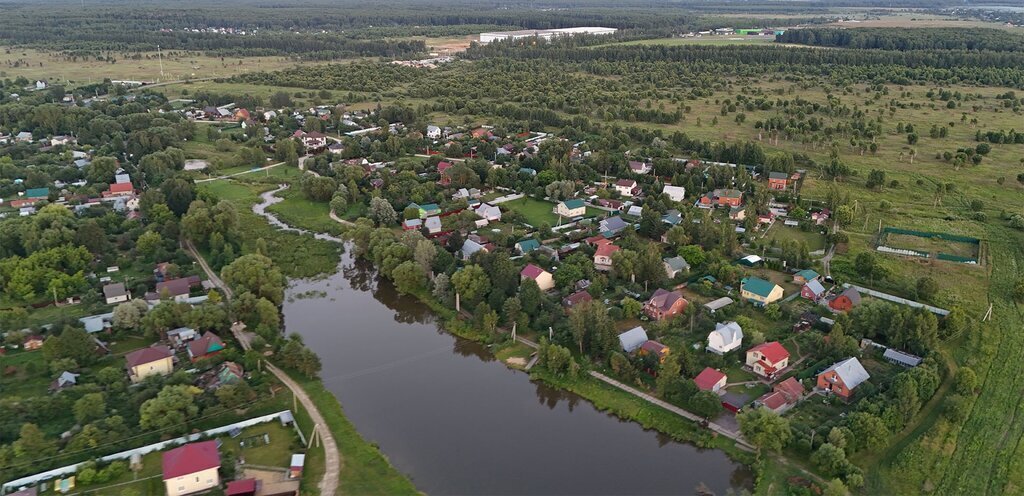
<point>931,246</point>
<point>143,66</point>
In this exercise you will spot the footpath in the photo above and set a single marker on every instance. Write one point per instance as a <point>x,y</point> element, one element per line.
<point>332,457</point>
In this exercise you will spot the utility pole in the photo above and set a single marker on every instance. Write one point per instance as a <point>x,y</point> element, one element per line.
<point>159,58</point>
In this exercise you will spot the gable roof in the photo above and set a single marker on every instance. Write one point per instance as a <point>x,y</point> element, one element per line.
<point>147,355</point>
<point>852,294</point>
<point>626,183</point>
<point>207,343</point>
<point>633,339</point>
<point>771,350</point>
<point>815,287</point>
<point>573,203</point>
<point>758,286</point>
<point>37,193</point>
<point>663,299</point>
<point>730,332</point>
<point>613,224</point>
<point>114,290</point>
<point>606,250</point>
<point>850,371</point>
<point>240,487</point>
<point>792,388</point>
<point>433,222</point>
<point>190,458</point>
<point>577,298</point>
<point>527,245</point>
<point>902,358</point>
<point>655,347</point>
<point>707,379</point>
<point>808,274</point>
<point>677,263</point>
<point>778,175</point>
<point>532,271</point>
<point>174,287</point>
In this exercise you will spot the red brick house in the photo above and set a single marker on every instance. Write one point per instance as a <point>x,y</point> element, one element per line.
<point>783,396</point>
<point>665,304</point>
<point>722,198</point>
<point>845,301</point>
<point>843,377</point>
<point>778,181</point>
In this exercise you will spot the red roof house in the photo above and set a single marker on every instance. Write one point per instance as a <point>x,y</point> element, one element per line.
<point>576,298</point>
<point>244,487</point>
<point>191,468</point>
<point>119,189</point>
<point>442,168</point>
<point>603,255</point>
<point>651,347</point>
<point>767,359</point>
<point>783,396</point>
<point>710,379</point>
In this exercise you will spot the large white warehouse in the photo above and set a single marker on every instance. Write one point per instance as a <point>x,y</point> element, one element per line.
<point>542,33</point>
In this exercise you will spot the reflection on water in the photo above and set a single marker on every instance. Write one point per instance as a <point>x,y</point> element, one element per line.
<point>458,423</point>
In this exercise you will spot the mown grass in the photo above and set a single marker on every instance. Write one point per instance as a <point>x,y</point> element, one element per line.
<point>536,212</point>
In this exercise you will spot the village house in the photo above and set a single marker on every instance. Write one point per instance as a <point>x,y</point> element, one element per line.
<point>654,348</point>
<point>191,468</point>
<point>208,345</point>
<point>627,187</point>
<point>612,225</point>
<point>710,379</point>
<point>443,169</point>
<point>783,396</point>
<point>767,359</point>
<point>633,339</point>
<point>62,140</point>
<point>845,301</point>
<point>675,266</point>
<point>778,181</point>
<point>603,256</point>
<point>154,360</point>
<point>675,193</point>
<point>23,137</point>
<point>813,290</point>
<point>433,132</point>
<point>432,224</point>
<point>576,298</point>
<point>571,208</point>
<point>64,381</point>
<point>336,148</point>
<point>427,209</point>
<point>664,304</point>
<point>115,293</point>
<point>471,247</point>
<point>722,198</point>
<point>637,167</point>
<point>843,377</point>
<point>412,224</point>
<point>33,343</point>
<point>805,276</point>
<point>175,289</point>
<point>542,277</point>
<point>760,291</point>
<point>312,141</point>
<point>119,189</point>
<point>489,212</point>
<point>526,246</point>
<point>726,337</point>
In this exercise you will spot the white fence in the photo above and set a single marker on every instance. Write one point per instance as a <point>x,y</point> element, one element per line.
<point>124,455</point>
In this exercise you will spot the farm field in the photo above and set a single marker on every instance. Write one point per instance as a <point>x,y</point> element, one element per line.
<point>38,64</point>
<point>930,245</point>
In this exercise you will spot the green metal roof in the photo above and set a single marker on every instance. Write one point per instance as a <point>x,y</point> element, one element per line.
<point>808,274</point>
<point>37,193</point>
<point>574,203</point>
<point>528,245</point>
<point>758,286</point>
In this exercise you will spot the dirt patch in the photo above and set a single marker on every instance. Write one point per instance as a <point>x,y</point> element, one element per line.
<point>516,361</point>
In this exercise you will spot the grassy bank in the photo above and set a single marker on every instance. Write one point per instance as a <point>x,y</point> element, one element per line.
<point>364,469</point>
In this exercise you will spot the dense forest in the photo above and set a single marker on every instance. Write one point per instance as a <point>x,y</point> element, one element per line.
<point>994,40</point>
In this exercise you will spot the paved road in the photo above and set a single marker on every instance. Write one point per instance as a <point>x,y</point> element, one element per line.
<point>332,459</point>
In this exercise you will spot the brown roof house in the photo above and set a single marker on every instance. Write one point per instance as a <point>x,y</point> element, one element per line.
<point>665,304</point>
<point>155,360</point>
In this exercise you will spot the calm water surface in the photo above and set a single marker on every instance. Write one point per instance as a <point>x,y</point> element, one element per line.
<point>458,422</point>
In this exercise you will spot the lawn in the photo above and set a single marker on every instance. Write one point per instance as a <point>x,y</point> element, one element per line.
<point>298,211</point>
<point>779,233</point>
<point>536,212</point>
<point>283,443</point>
